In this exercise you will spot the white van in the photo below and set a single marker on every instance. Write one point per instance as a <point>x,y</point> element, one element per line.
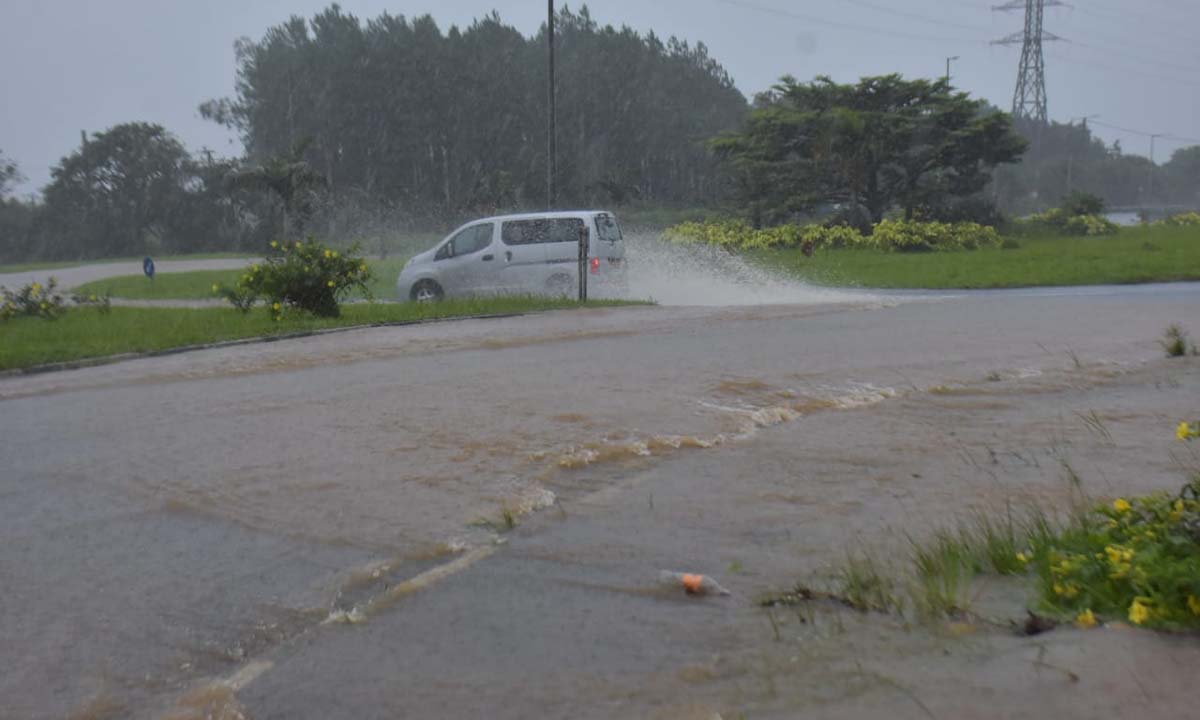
<point>536,253</point>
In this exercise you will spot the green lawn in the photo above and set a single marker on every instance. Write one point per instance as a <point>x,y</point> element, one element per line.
<point>86,332</point>
<point>198,284</point>
<point>27,267</point>
<point>1135,255</point>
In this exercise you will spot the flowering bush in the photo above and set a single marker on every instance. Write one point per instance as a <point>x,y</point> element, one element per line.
<point>32,300</point>
<point>1059,220</point>
<point>1137,559</point>
<point>1181,220</point>
<point>303,275</point>
<point>911,235</point>
<point>901,235</point>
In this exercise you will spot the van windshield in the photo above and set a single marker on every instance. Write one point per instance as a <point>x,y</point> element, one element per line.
<point>607,228</point>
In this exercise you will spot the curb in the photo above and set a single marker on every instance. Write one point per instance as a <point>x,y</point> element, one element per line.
<point>122,357</point>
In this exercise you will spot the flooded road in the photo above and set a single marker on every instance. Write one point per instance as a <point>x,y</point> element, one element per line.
<point>469,518</point>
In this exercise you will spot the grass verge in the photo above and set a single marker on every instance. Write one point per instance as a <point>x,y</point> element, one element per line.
<point>1135,255</point>
<point>1135,560</point>
<point>197,285</point>
<point>86,332</point>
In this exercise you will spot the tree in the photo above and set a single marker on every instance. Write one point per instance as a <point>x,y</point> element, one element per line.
<point>287,177</point>
<point>116,194</point>
<point>445,122</point>
<point>883,143</point>
<point>1183,175</point>
<point>16,217</point>
<point>10,175</point>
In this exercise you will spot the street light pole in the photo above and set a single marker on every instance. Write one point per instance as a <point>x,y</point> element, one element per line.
<point>953,57</point>
<point>1150,170</point>
<point>551,120</point>
<point>1070,154</point>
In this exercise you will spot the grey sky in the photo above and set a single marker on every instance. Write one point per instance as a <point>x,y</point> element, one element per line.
<point>86,64</point>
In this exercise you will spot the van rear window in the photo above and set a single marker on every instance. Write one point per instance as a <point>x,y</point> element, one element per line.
<point>607,228</point>
<point>546,230</point>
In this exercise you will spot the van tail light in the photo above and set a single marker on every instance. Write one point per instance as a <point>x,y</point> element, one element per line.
<point>595,265</point>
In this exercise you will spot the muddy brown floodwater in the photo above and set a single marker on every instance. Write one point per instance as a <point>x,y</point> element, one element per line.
<point>470,518</point>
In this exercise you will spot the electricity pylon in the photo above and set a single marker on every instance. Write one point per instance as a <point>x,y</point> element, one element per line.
<point>1029,98</point>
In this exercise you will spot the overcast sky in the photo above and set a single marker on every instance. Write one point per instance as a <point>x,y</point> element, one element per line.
<point>71,65</point>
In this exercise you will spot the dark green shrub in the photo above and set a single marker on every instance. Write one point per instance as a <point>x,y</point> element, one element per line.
<point>1081,203</point>
<point>303,275</point>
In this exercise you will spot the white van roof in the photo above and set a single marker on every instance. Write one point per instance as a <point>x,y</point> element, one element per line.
<point>545,215</point>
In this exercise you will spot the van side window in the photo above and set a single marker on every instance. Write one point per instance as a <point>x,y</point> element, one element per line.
<point>470,240</point>
<point>543,230</point>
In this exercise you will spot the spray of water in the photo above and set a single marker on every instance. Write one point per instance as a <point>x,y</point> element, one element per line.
<point>673,274</point>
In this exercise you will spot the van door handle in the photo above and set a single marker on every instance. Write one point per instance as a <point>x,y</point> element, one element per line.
<point>488,257</point>
<point>508,256</point>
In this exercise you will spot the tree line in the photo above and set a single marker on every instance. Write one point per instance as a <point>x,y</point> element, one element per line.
<point>1066,158</point>
<point>357,129</point>
<point>394,122</point>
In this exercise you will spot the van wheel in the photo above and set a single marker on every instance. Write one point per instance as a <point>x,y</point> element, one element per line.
<point>559,285</point>
<point>426,291</point>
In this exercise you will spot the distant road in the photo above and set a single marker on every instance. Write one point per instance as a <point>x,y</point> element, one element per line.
<point>70,277</point>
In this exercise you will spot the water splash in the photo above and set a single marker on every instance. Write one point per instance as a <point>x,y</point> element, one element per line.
<point>672,274</point>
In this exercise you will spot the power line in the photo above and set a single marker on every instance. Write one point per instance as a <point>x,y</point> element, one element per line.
<point>1161,77</point>
<point>1135,58</point>
<point>815,20</point>
<point>916,16</point>
<point>1122,19</point>
<point>1143,133</point>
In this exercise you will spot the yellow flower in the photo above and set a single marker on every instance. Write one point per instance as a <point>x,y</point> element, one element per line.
<point>1184,431</point>
<point>1139,612</point>
<point>330,283</point>
<point>1194,604</point>
<point>363,267</point>
<point>277,307</point>
<point>36,289</point>
<point>275,243</point>
<point>328,254</point>
<point>1086,619</point>
<point>1068,591</point>
<point>1023,558</point>
<point>1122,505</point>
<point>297,244</point>
<point>216,287</point>
<point>334,254</point>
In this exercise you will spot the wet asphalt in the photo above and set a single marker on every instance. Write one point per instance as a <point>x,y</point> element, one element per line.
<point>168,522</point>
